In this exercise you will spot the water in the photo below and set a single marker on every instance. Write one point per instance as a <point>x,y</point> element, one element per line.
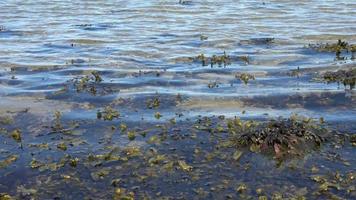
<point>141,49</point>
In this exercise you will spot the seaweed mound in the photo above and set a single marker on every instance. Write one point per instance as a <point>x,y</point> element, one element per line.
<point>338,47</point>
<point>346,77</point>
<point>282,137</point>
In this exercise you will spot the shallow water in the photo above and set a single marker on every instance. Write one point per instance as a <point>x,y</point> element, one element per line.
<point>143,50</point>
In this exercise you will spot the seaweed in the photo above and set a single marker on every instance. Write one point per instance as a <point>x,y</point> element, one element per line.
<point>245,77</point>
<point>108,114</point>
<point>4,196</point>
<point>17,136</point>
<point>213,85</point>
<point>284,137</point>
<point>337,48</point>
<point>220,60</point>
<point>58,127</point>
<point>8,161</point>
<point>91,84</point>
<point>353,139</point>
<point>203,37</point>
<point>153,103</point>
<point>158,115</point>
<point>346,77</point>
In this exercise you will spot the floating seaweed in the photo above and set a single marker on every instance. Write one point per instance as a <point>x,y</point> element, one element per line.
<point>153,103</point>
<point>245,77</point>
<point>158,115</point>
<point>131,135</point>
<point>4,196</point>
<point>8,161</point>
<point>338,47</point>
<point>58,127</point>
<point>353,139</point>
<point>91,83</point>
<point>108,114</point>
<point>346,77</point>
<point>203,37</point>
<point>213,84</point>
<point>220,60</point>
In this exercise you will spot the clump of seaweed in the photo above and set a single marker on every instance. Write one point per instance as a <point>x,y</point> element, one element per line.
<point>4,196</point>
<point>291,136</point>
<point>346,77</point>
<point>153,103</point>
<point>108,114</point>
<point>203,37</point>
<point>58,127</point>
<point>89,83</point>
<point>213,84</point>
<point>122,193</point>
<point>245,77</point>
<point>220,60</point>
<point>8,161</point>
<point>338,47</point>
<point>353,139</point>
